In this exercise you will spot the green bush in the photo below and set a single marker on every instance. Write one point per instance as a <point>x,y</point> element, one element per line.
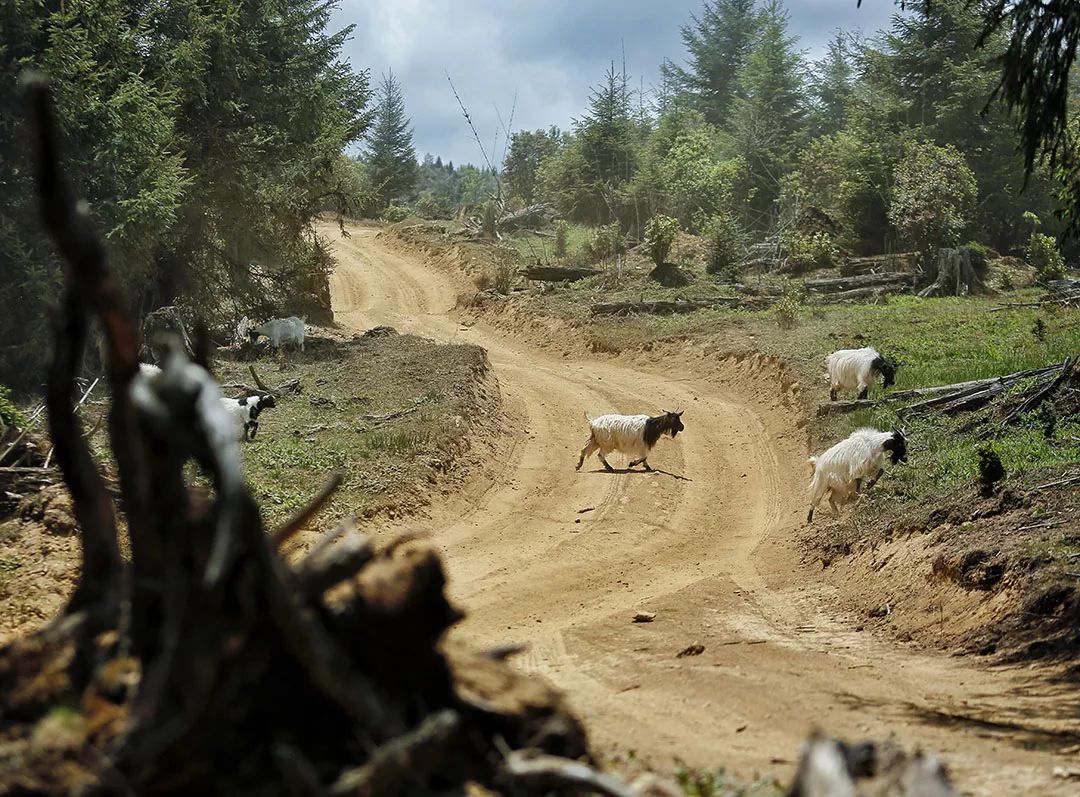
<point>933,198</point>
<point>396,213</point>
<point>1044,256</point>
<point>606,242</point>
<point>489,219</point>
<point>806,252</point>
<point>9,413</point>
<point>660,232</point>
<point>786,309</point>
<point>562,232</point>
<point>724,247</point>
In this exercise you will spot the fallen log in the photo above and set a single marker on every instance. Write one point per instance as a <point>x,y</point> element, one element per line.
<point>901,262</point>
<point>538,215</point>
<point>667,307</point>
<point>857,294</point>
<point>954,391</point>
<point>558,273</point>
<point>836,284</point>
<point>1040,395</point>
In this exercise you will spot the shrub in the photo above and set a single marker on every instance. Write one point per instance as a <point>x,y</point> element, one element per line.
<point>395,213</point>
<point>489,218</point>
<point>934,196</point>
<point>725,247</point>
<point>9,413</point>
<point>562,232</point>
<point>786,309</point>
<point>660,232</point>
<point>606,242</point>
<point>1044,256</point>
<point>806,252</point>
<point>991,471</point>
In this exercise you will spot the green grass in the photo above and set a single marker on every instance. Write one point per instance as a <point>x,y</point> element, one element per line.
<point>532,247</point>
<point>334,424</point>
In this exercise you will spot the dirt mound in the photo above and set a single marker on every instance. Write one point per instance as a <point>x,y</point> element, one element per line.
<point>975,575</point>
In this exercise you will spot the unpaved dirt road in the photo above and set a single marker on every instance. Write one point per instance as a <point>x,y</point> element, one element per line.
<point>705,544</point>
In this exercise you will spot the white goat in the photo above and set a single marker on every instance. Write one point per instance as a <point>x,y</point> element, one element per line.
<point>851,369</point>
<point>281,331</point>
<point>245,412</point>
<point>633,435</point>
<point>841,470</point>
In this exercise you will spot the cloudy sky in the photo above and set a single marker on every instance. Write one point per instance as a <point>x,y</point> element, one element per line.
<point>547,51</point>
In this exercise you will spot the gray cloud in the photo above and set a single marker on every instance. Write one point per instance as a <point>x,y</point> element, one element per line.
<point>550,52</point>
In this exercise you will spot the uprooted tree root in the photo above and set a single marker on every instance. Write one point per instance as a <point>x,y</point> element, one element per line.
<point>206,664</point>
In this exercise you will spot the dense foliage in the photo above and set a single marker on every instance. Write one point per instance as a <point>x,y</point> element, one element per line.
<point>206,136</point>
<point>883,143</point>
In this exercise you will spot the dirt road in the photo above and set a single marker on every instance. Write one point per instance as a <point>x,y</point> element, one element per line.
<point>705,544</point>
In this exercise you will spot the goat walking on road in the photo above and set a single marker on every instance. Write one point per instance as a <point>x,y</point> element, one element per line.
<point>633,435</point>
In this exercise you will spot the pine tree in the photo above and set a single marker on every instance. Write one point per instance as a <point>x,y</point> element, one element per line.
<point>391,156</point>
<point>718,44</point>
<point>770,113</point>
<point>607,132</point>
<point>832,87</point>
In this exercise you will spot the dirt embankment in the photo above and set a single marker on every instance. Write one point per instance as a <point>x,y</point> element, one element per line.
<point>538,552</point>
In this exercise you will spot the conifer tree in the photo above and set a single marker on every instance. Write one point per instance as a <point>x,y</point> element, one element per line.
<point>391,156</point>
<point>718,44</point>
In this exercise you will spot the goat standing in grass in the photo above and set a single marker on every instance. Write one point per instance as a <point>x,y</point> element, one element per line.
<point>245,412</point>
<point>841,471</point>
<point>633,435</point>
<point>851,369</point>
<point>280,331</point>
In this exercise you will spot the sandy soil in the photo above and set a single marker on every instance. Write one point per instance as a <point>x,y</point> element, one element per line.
<point>707,543</point>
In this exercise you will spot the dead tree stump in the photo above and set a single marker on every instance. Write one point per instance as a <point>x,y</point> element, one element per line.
<point>207,664</point>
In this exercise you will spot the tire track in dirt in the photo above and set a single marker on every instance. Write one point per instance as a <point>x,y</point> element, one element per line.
<point>706,544</point>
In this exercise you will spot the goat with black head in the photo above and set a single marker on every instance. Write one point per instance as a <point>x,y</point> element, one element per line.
<point>633,435</point>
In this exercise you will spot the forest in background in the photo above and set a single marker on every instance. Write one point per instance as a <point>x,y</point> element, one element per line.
<point>887,143</point>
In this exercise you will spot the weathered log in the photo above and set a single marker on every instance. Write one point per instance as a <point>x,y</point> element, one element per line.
<point>954,391</point>
<point>836,284</point>
<point>879,264</point>
<point>1033,401</point>
<point>857,295</point>
<point>533,216</point>
<point>667,307</point>
<point>558,273</point>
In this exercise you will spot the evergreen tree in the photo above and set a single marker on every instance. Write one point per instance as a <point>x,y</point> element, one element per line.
<point>832,87</point>
<point>718,44</point>
<point>206,134</point>
<point>528,149</point>
<point>391,156</point>
<point>604,156</point>
<point>770,111</point>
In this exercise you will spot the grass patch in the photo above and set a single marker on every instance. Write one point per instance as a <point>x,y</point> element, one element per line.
<point>336,424</point>
<point>532,247</point>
